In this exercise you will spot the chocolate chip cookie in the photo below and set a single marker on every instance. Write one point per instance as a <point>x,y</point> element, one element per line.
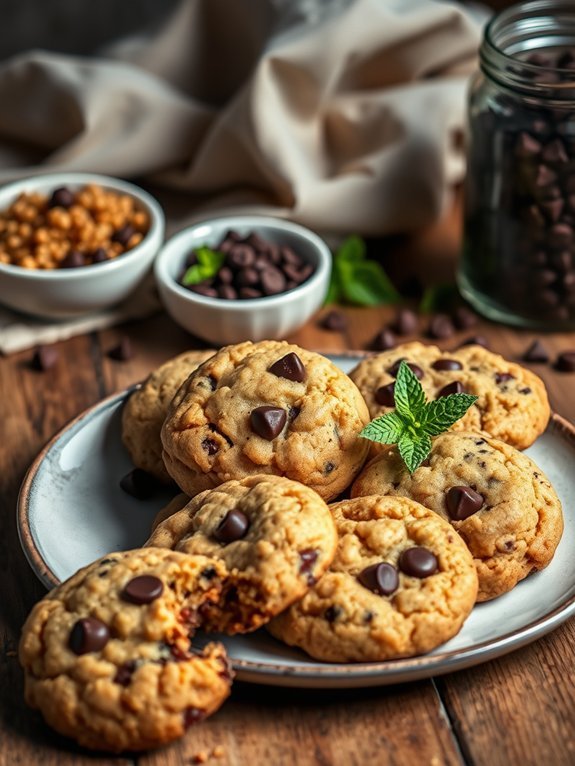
<point>107,654</point>
<point>268,407</point>
<point>275,538</point>
<point>402,582</point>
<point>512,404</point>
<point>497,499</point>
<point>147,407</point>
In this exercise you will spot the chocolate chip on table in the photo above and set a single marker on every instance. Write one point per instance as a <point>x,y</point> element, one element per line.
<point>380,578</point>
<point>122,352</point>
<point>267,421</point>
<point>139,483</point>
<point>456,387</point>
<point>88,635</point>
<point>406,322</point>
<point>462,502</point>
<point>384,395</point>
<point>394,369</point>
<point>334,320</point>
<point>142,589</point>
<point>441,327</point>
<point>290,367</point>
<point>234,526</point>
<point>565,361</point>
<point>73,260</point>
<point>62,197</point>
<point>384,340</point>
<point>447,364</point>
<point>475,340</point>
<point>536,353</point>
<point>418,562</point>
<point>464,318</point>
<point>44,358</point>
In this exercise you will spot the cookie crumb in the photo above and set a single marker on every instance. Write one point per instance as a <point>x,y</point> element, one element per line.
<point>218,751</point>
<point>200,757</point>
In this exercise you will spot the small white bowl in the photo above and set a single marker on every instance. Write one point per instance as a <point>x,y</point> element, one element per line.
<point>221,321</point>
<point>64,293</point>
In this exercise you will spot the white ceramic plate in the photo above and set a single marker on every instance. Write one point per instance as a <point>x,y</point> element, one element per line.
<point>71,511</point>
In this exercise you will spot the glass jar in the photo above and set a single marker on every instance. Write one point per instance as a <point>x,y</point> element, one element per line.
<point>518,259</point>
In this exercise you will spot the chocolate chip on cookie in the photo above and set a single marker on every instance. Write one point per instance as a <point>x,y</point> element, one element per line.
<point>267,421</point>
<point>380,578</point>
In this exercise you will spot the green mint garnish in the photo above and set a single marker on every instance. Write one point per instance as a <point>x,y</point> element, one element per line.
<point>415,420</point>
<point>357,280</point>
<point>208,265</point>
<point>443,297</point>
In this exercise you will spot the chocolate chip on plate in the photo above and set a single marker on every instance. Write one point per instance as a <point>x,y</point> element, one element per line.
<point>462,502</point>
<point>139,483</point>
<point>384,395</point>
<point>232,527</point>
<point>455,387</point>
<point>290,367</point>
<point>536,353</point>
<point>44,358</point>
<point>122,352</point>
<point>88,635</point>
<point>565,361</point>
<point>380,578</point>
<point>418,562</point>
<point>143,589</point>
<point>267,421</point>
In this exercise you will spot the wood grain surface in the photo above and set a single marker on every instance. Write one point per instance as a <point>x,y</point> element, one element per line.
<point>515,710</point>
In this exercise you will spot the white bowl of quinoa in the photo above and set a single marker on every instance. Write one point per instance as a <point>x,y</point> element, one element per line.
<point>74,243</point>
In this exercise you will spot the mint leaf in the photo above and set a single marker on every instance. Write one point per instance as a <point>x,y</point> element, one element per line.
<point>351,249</point>
<point>444,412</point>
<point>415,421</point>
<point>439,298</point>
<point>408,394</point>
<point>414,450</point>
<point>386,429</point>
<point>208,265</point>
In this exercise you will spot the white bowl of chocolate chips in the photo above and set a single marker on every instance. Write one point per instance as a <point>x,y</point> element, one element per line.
<point>243,277</point>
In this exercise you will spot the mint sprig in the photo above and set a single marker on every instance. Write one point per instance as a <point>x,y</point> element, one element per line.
<point>415,420</point>
<point>208,265</point>
<point>357,280</point>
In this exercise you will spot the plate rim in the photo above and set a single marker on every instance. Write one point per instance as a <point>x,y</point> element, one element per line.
<point>386,672</point>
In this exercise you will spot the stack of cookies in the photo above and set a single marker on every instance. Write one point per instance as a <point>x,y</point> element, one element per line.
<point>263,441</point>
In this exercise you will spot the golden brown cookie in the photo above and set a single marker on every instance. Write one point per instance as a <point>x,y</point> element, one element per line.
<point>275,538</point>
<point>146,409</point>
<point>497,499</point>
<point>176,504</point>
<point>512,404</point>
<point>268,407</point>
<point>107,654</point>
<point>402,582</point>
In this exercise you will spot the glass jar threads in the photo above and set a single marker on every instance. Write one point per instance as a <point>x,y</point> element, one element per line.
<point>518,259</point>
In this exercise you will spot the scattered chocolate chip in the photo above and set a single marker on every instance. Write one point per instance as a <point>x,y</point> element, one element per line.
<point>124,234</point>
<point>334,320</point>
<point>475,340</point>
<point>44,358</point>
<point>447,364</point>
<point>394,369</point>
<point>456,387</point>
<point>140,484</point>
<point>565,362</point>
<point>73,260</point>
<point>88,635</point>
<point>380,578</point>
<point>536,353</point>
<point>193,715</point>
<point>441,327</point>
<point>62,197</point>
<point>503,377</point>
<point>406,322</point>
<point>463,502</point>
<point>418,562</point>
<point>332,613</point>
<point>210,446</point>
<point>143,589</point>
<point>384,340</point>
<point>384,395</point>
<point>125,672</point>
<point>234,526</point>
<point>464,318</point>
<point>290,367</point>
<point>122,352</point>
<point>268,421</point>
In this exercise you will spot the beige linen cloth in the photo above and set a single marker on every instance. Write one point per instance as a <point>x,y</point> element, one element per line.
<point>344,116</point>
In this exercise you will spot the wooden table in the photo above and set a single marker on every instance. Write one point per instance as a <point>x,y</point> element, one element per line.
<point>519,709</point>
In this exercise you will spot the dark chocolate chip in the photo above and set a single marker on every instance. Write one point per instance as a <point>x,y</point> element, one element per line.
<point>249,293</point>
<point>380,578</point>
<point>88,635</point>
<point>503,377</point>
<point>527,146</point>
<point>464,318</point>
<point>333,612</point>
<point>290,367</point>
<point>225,275</point>
<point>462,502</point>
<point>140,484</point>
<point>122,352</point>
<point>193,715</point>
<point>308,559</point>
<point>475,340</point>
<point>565,362</point>
<point>456,387</point>
<point>210,446</point>
<point>394,369</point>
<point>241,256</point>
<point>328,468</point>
<point>73,260</point>
<point>447,364</point>
<point>143,589</point>
<point>205,290</point>
<point>406,322</point>
<point>334,321</point>
<point>44,358</point>
<point>418,562</point>
<point>125,672</point>
<point>227,292</point>
<point>441,326</point>
<point>384,340</point>
<point>267,421</point>
<point>61,197</point>
<point>555,152</point>
<point>209,573</point>
<point>293,412</point>
<point>384,395</point>
<point>525,390</point>
<point>99,255</point>
<point>124,234</point>
<point>234,526</point>
<point>248,277</point>
<point>272,281</point>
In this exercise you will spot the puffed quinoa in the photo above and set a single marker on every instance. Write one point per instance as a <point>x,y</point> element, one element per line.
<point>40,231</point>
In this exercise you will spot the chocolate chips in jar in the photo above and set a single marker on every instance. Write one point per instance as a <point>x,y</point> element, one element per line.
<point>245,267</point>
<point>518,260</point>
